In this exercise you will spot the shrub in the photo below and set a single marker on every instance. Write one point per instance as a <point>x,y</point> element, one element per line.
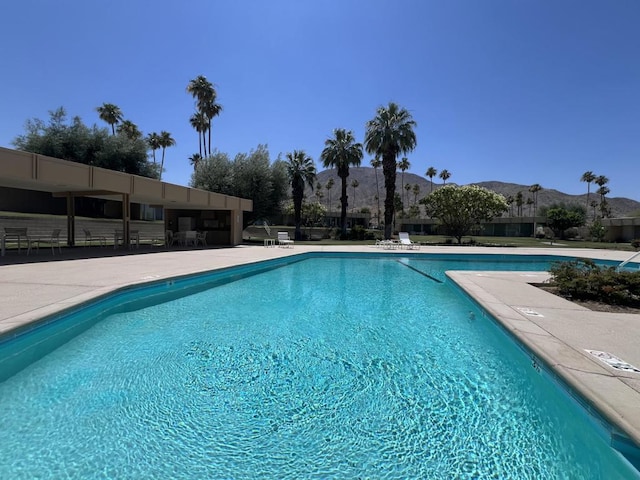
<point>584,280</point>
<point>635,243</point>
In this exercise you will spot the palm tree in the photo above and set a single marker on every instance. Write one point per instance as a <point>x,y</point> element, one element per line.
<point>534,189</point>
<point>301,172</point>
<point>510,201</point>
<point>529,203</point>
<point>389,134</point>
<point>519,203</point>
<point>165,142</point>
<point>111,114</point>
<point>341,152</point>
<point>195,160</point>
<point>204,93</point>
<point>153,140</point>
<point>588,177</point>
<point>376,163</point>
<point>199,122</point>
<point>416,191</point>
<point>602,181</point>
<point>445,175</point>
<point>403,165</point>
<point>431,172</point>
<point>354,184</point>
<point>329,186</point>
<point>129,129</point>
<point>210,110</point>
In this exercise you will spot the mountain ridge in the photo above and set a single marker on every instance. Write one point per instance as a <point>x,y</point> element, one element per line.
<point>366,191</point>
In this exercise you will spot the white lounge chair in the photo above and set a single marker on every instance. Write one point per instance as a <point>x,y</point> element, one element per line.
<point>405,241</point>
<point>284,240</point>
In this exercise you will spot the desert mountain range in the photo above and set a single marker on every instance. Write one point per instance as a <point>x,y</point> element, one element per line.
<point>366,191</point>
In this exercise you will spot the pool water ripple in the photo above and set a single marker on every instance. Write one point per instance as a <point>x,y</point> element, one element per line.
<point>369,370</point>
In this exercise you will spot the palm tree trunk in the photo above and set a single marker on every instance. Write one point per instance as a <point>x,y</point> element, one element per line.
<point>343,210</point>
<point>209,136</point>
<point>200,143</point>
<point>378,195</point>
<point>389,172</point>
<point>161,164</point>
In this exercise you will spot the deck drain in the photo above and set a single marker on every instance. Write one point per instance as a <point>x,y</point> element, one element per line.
<point>528,311</point>
<point>613,361</point>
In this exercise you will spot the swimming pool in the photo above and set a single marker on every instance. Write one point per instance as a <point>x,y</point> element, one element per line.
<point>326,367</point>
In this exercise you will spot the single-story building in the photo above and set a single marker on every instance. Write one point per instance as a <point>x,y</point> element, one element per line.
<point>219,216</point>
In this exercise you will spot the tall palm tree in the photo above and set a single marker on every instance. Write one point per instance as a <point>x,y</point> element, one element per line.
<point>519,203</point>
<point>588,177</point>
<point>199,122</point>
<point>354,184</point>
<point>534,189</point>
<point>166,141</point>
<point>403,165</point>
<point>602,181</point>
<point>153,140</point>
<point>376,163</point>
<point>341,152</point>
<point>195,160</point>
<point>301,172</point>
<point>129,129</point>
<point>111,114</point>
<point>329,186</point>
<point>416,191</point>
<point>431,172</point>
<point>510,199</point>
<point>389,134</point>
<point>445,175</point>
<point>210,109</point>
<point>204,93</point>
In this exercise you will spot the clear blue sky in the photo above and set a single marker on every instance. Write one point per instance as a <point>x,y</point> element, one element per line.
<point>523,91</point>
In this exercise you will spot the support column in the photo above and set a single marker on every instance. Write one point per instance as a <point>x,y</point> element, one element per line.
<point>126,220</point>
<point>71,220</point>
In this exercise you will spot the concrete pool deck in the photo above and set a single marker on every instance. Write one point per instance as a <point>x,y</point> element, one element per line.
<point>556,330</point>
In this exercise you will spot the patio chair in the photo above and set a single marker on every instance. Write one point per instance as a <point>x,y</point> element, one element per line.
<point>201,238</point>
<point>284,240</point>
<point>405,241</point>
<point>169,239</point>
<point>53,241</point>
<point>89,238</point>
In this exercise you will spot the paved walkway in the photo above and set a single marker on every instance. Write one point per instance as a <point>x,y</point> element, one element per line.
<point>557,331</point>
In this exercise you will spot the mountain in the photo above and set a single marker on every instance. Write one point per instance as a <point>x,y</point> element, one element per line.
<point>366,191</point>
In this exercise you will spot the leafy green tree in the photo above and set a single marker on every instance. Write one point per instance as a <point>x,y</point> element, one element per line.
<point>431,172</point>
<point>389,134</point>
<point>301,172</point>
<point>215,174</point>
<point>588,177</point>
<point>166,141</point>
<point>111,114</point>
<point>253,178</point>
<point>560,218</point>
<point>460,209</point>
<point>445,175</point>
<point>341,152</point>
<point>76,142</point>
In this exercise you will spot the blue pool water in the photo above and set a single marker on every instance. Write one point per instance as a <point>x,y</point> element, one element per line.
<point>325,368</point>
